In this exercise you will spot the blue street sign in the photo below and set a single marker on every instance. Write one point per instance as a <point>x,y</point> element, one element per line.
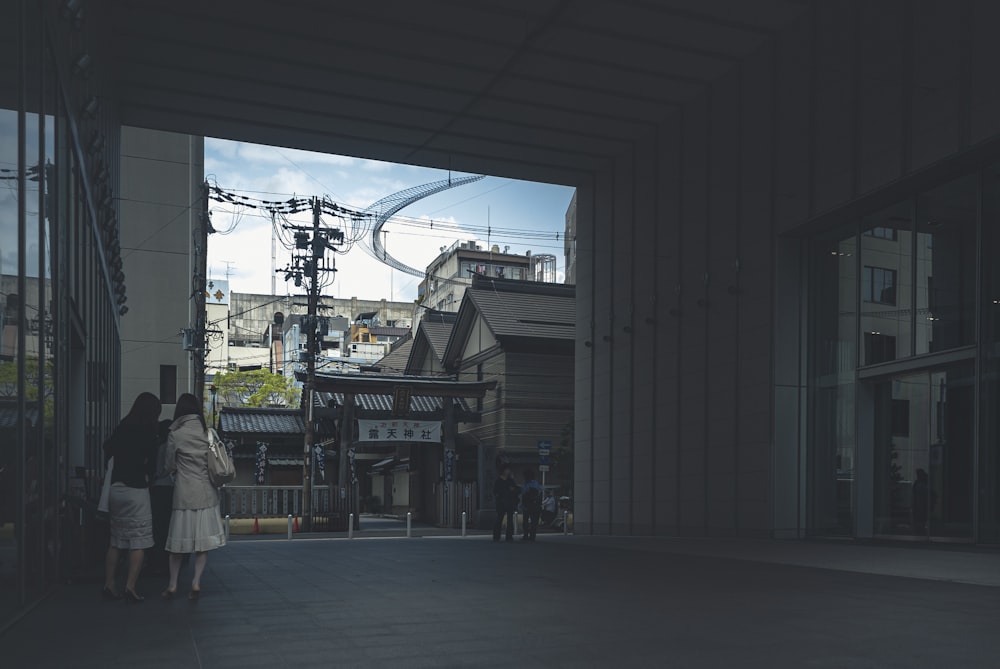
<point>544,449</point>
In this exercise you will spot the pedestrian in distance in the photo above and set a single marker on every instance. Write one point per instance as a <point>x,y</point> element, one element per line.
<point>531,504</point>
<point>505,494</point>
<point>548,508</point>
<point>195,522</point>
<point>133,447</point>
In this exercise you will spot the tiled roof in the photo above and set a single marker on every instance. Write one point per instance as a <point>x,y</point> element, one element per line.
<point>389,331</point>
<point>233,420</point>
<point>378,403</point>
<point>395,361</point>
<point>437,328</point>
<point>539,311</point>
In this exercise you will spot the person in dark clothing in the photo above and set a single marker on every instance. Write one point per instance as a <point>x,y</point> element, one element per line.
<point>505,494</point>
<point>161,496</point>
<point>133,446</point>
<point>531,503</point>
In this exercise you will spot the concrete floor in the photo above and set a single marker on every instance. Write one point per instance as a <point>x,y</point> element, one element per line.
<point>559,602</point>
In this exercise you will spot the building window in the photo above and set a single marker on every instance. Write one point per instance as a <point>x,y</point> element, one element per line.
<point>881,233</point>
<point>878,285</point>
<point>168,384</point>
<point>900,418</point>
<point>879,348</point>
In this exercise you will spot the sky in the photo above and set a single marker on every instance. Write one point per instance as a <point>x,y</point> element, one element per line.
<point>506,212</point>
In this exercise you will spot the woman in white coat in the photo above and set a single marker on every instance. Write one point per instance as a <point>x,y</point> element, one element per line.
<point>195,523</point>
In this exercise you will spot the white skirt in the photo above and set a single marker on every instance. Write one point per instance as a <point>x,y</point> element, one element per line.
<point>195,530</point>
<point>131,517</point>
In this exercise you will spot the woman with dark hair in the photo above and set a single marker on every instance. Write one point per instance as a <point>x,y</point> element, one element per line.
<point>133,446</point>
<point>195,523</point>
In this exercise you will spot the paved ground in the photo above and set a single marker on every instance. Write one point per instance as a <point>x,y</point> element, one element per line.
<point>560,602</point>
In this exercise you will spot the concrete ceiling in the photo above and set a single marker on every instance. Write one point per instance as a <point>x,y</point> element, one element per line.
<point>546,90</point>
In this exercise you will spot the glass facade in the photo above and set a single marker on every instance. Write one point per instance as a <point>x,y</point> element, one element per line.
<point>903,434</point>
<point>59,341</point>
<point>832,466</point>
<point>924,426</point>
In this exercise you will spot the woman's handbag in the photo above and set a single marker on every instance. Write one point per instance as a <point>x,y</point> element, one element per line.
<point>221,469</point>
<point>102,505</point>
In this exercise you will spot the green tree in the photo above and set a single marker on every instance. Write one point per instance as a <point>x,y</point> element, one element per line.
<point>256,388</point>
<point>8,384</point>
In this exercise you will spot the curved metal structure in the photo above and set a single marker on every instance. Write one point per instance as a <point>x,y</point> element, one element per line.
<point>388,206</point>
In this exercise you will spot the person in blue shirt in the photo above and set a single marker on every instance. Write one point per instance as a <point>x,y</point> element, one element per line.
<point>531,504</point>
<point>548,508</point>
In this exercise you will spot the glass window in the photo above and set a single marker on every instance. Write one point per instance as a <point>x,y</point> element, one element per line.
<point>879,348</point>
<point>882,233</point>
<point>989,356</point>
<point>168,384</point>
<point>923,446</point>
<point>946,265</point>
<point>9,321</point>
<point>833,328</point>
<point>878,285</point>
<point>886,284</point>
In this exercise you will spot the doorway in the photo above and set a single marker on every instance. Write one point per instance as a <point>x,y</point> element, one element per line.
<point>923,445</point>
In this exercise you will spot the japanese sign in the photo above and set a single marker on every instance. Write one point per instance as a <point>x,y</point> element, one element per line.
<point>449,465</point>
<point>400,401</point>
<point>399,430</point>
<point>260,468</point>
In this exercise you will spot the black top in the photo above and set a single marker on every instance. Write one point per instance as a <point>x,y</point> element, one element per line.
<point>505,493</point>
<point>134,450</point>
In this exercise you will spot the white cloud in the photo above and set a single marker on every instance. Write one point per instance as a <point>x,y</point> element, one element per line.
<point>280,156</point>
<point>262,172</point>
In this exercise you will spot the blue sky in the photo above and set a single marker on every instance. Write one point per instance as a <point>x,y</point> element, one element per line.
<point>517,210</point>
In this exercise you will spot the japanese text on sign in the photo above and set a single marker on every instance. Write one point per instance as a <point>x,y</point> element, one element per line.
<point>400,430</point>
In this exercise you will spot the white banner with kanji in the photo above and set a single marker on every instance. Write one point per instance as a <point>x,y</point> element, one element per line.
<point>400,430</point>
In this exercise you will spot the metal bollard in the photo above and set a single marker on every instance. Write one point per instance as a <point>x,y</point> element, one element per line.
<point>227,527</point>
<point>350,526</point>
<point>409,520</point>
<point>289,527</point>
<point>463,523</point>
<point>565,521</point>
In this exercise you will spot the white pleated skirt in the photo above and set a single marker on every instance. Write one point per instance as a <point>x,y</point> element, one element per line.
<point>195,530</point>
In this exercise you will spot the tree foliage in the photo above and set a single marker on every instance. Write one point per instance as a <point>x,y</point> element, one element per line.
<point>256,388</point>
<point>9,379</point>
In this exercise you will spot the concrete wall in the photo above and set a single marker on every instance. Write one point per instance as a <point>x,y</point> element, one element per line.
<point>690,397</point>
<point>161,176</point>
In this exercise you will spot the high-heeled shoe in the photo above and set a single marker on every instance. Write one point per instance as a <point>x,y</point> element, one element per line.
<point>168,594</point>
<point>194,594</point>
<point>110,595</point>
<point>131,597</point>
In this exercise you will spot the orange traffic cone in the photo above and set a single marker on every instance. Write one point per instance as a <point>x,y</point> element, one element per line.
<point>256,525</point>
<point>295,525</point>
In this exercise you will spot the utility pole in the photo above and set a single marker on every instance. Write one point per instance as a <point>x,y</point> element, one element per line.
<point>311,243</point>
<point>307,446</point>
<point>198,295</point>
